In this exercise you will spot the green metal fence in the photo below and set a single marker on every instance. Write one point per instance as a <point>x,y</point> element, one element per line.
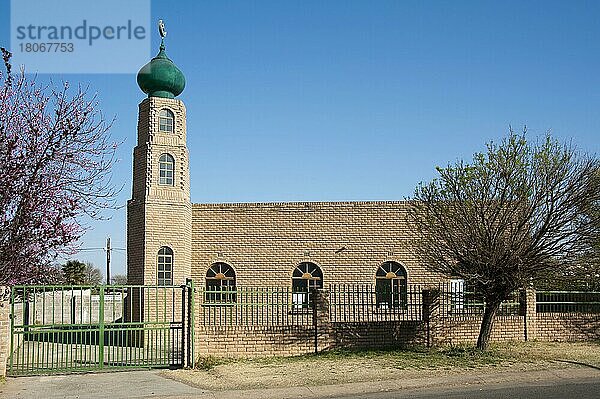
<point>567,302</point>
<point>60,329</point>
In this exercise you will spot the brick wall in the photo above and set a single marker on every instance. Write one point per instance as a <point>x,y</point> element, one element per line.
<point>567,327</point>
<point>264,242</point>
<point>260,341</point>
<point>257,341</point>
<point>465,330</point>
<point>378,335</point>
<point>4,332</point>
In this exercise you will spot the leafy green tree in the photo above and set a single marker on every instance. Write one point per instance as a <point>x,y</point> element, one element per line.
<point>78,273</point>
<point>74,272</point>
<point>507,218</point>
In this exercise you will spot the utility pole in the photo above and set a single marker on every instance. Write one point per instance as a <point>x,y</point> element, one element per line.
<point>107,260</point>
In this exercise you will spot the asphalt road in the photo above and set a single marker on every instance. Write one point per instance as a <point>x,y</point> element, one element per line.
<point>588,388</point>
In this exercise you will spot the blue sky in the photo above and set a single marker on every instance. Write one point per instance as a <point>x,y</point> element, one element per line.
<point>354,100</point>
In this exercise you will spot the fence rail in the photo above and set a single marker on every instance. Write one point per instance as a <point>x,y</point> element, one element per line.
<point>282,306</point>
<point>245,306</point>
<point>567,302</point>
<point>364,303</point>
<point>463,303</point>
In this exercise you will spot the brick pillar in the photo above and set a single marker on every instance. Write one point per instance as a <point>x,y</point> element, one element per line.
<point>431,314</point>
<point>4,329</point>
<point>529,313</point>
<point>321,320</point>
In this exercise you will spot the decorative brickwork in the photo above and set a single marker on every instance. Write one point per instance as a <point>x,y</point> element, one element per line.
<point>159,215</point>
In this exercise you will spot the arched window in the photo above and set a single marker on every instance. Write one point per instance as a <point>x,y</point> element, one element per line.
<point>166,121</point>
<point>305,277</point>
<point>390,285</point>
<point>165,266</point>
<point>220,283</point>
<point>166,168</point>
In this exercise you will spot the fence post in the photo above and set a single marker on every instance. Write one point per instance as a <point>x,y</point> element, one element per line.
<point>314,319</point>
<point>320,304</point>
<point>5,332</point>
<point>528,309</point>
<point>190,322</point>
<point>100,326</point>
<point>431,308</point>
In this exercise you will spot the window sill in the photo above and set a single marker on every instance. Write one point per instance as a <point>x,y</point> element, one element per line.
<point>219,304</point>
<point>303,311</point>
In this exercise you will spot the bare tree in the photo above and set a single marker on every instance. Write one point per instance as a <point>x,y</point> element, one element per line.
<point>56,162</point>
<point>502,221</point>
<point>119,279</point>
<point>92,275</point>
<point>582,275</point>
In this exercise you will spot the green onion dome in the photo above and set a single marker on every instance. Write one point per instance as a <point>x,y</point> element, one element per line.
<point>160,77</point>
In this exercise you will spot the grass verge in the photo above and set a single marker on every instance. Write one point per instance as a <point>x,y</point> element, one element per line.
<point>346,366</point>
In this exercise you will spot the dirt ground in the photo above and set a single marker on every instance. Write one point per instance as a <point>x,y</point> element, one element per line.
<point>348,367</point>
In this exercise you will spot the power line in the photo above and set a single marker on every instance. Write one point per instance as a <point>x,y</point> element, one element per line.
<point>108,249</point>
<point>100,249</point>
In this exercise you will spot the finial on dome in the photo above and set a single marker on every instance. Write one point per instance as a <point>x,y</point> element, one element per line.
<point>161,77</point>
<point>163,33</point>
<point>161,29</point>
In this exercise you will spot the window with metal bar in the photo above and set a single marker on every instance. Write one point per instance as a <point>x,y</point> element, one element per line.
<point>305,277</point>
<point>165,266</point>
<point>166,168</point>
<point>166,121</point>
<point>457,295</point>
<point>390,285</point>
<point>220,284</point>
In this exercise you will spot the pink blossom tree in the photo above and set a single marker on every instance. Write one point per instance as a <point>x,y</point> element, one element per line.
<point>55,159</point>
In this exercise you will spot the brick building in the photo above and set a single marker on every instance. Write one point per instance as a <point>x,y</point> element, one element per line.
<point>297,245</point>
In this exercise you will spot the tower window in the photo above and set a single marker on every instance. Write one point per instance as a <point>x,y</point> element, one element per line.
<point>166,121</point>
<point>305,277</point>
<point>165,266</point>
<point>390,285</point>
<point>166,167</point>
<point>220,283</point>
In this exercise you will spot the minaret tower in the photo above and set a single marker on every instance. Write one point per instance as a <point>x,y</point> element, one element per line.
<point>159,214</point>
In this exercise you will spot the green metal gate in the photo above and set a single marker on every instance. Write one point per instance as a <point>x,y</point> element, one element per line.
<point>63,329</point>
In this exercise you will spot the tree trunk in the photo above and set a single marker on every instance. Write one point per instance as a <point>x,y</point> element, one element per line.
<point>485,332</point>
